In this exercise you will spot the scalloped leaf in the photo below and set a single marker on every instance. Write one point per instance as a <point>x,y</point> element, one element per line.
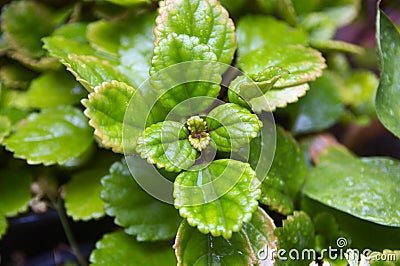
<point>123,249</point>
<point>231,126</point>
<point>132,45</point>
<point>15,193</point>
<point>226,191</point>
<point>278,98</point>
<point>166,144</point>
<point>323,93</point>
<point>195,248</point>
<point>16,24</point>
<point>106,108</point>
<point>367,188</point>
<point>82,195</point>
<point>253,34</point>
<point>54,88</point>
<point>304,64</point>
<point>175,49</point>
<point>297,233</point>
<point>205,20</point>
<point>50,137</point>
<point>91,68</point>
<point>286,175</point>
<point>5,127</point>
<point>388,45</point>
<point>3,225</point>
<point>139,213</point>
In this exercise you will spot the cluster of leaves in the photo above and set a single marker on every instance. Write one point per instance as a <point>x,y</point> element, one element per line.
<point>67,83</point>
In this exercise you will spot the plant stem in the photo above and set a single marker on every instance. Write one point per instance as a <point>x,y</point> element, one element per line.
<point>68,233</point>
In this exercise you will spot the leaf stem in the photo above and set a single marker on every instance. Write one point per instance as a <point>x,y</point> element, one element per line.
<point>68,232</point>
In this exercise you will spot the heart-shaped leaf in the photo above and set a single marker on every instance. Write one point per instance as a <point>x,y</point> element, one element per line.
<point>219,198</point>
<point>231,126</point>
<point>304,64</point>
<point>15,192</point>
<point>50,137</point>
<point>297,233</point>
<point>195,248</point>
<point>388,43</point>
<point>286,176</point>
<point>367,188</point>
<point>206,20</point>
<point>54,88</point>
<point>106,108</point>
<point>166,144</point>
<point>123,249</point>
<point>255,32</point>
<point>139,213</point>
<point>82,195</point>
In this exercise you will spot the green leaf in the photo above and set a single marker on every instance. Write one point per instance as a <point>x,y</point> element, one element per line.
<point>278,98</point>
<point>195,248</point>
<point>367,188</point>
<point>91,71</point>
<point>166,144</point>
<point>82,195</point>
<point>3,225</point>
<point>14,115</point>
<point>15,192</point>
<point>73,31</point>
<point>231,126</point>
<point>175,49</point>
<point>16,76</point>
<point>135,210</point>
<point>129,2</point>
<point>205,20</point>
<point>358,92</point>
<point>5,127</point>
<point>54,88</point>
<point>355,230</point>
<point>226,191</point>
<point>123,249</point>
<point>286,176</point>
<point>91,68</point>
<point>132,45</point>
<point>341,12</point>
<point>336,46</point>
<point>106,108</point>
<point>388,43</point>
<point>296,233</point>
<point>323,94</point>
<point>253,34</point>
<point>304,64</point>
<point>50,136</point>
<point>319,26</point>
<point>17,21</point>
<point>244,88</point>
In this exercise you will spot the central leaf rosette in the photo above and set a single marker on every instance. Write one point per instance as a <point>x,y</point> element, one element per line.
<point>206,186</point>
<point>175,146</point>
<point>199,137</point>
